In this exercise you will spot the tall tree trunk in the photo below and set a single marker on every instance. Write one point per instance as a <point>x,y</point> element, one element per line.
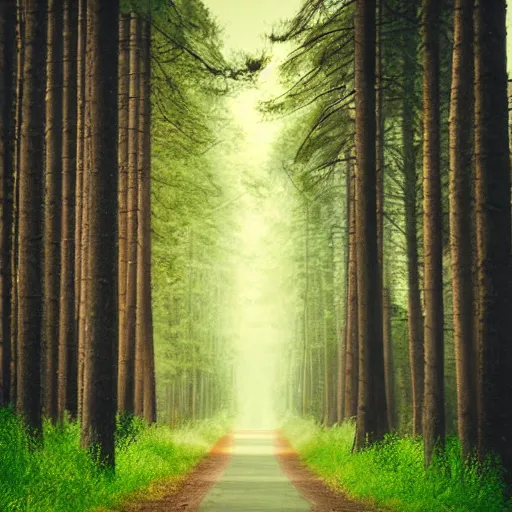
<point>127,349</point>
<point>433,412</point>
<point>388,357</point>
<point>30,296</point>
<point>493,233</point>
<point>461,233</point>
<point>324,343</point>
<point>415,315</point>
<point>306,318</point>
<point>100,371</point>
<point>380,125</point>
<point>82,210</point>
<point>7,117</point>
<point>52,207</point>
<point>67,368</point>
<point>149,374</point>
<point>190,321</point>
<point>123,102</point>
<point>342,351</point>
<point>20,53</point>
<point>67,336</point>
<point>371,411</point>
<point>351,336</point>
<point>142,332</point>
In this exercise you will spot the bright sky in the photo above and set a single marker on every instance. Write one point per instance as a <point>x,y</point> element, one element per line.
<point>246,21</point>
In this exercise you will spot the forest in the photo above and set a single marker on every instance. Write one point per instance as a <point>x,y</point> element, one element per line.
<point>310,239</point>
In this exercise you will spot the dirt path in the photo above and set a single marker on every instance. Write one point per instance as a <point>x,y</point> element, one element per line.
<point>249,471</point>
<point>186,494</point>
<point>321,497</point>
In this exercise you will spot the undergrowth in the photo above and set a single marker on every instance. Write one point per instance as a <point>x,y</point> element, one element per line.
<point>392,475</point>
<point>60,477</point>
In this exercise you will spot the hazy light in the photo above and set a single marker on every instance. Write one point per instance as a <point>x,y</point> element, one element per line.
<point>258,333</point>
<point>245,22</point>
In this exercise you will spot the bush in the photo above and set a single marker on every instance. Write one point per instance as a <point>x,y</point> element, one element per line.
<point>61,477</point>
<point>391,474</point>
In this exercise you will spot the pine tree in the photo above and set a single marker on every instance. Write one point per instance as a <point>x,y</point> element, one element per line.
<point>30,268</point>
<point>100,369</point>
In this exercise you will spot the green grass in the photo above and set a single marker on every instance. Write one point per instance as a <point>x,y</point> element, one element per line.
<point>61,477</point>
<point>392,475</point>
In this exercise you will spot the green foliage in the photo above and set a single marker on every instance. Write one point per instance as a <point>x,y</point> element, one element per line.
<point>392,474</point>
<point>61,477</point>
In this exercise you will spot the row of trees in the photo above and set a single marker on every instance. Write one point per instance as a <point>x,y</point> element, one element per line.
<point>76,250</point>
<point>107,187</point>
<point>376,112</point>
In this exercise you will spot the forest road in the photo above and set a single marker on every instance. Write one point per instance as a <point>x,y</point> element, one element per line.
<point>253,479</point>
<point>250,471</point>
<point>265,474</point>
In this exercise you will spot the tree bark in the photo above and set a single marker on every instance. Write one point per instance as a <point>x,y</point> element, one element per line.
<point>20,52</point>
<point>380,125</point>
<point>31,154</point>
<point>52,207</point>
<point>142,332</point>
<point>149,374</point>
<point>82,209</point>
<point>493,234</point>
<point>388,357</point>
<point>371,412</point>
<point>123,99</point>
<point>306,318</point>
<point>127,348</point>
<point>351,340</point>
<point>433,408</point>
<point>343,332</point>
<point>7,128</point>
<point>415,315</point>
<point>342,328</point>
<point>461,232</point>
<point>100,370</point>
<point>68,354</point>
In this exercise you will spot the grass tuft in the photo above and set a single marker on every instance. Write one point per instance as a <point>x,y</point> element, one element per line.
<point>392,476</point>
<point>60,477</point>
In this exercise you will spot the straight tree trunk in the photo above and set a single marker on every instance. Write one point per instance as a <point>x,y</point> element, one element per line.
<point>415,315</point>
<point>52,206</point>
<point>127,349</point>
<point>7,117</point>
<point>352,338</point>
<point>31,154</point>
<point>386,338</point>
<point>142,332</point>
<point>342,351</point>
<point>371,412</point>
<point>20,52</point>
<point>306,320</point>
<point>324,344</point>
<point>149,374</point>
<point>190,322</point>
<point>433,408</point>
<point>82,211</point>
<point>100,370</point>
<point>461,232</point>
<point>123,101</point>
<point>493,234</point>
<point>68,353</point>
<point>388,357</point>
